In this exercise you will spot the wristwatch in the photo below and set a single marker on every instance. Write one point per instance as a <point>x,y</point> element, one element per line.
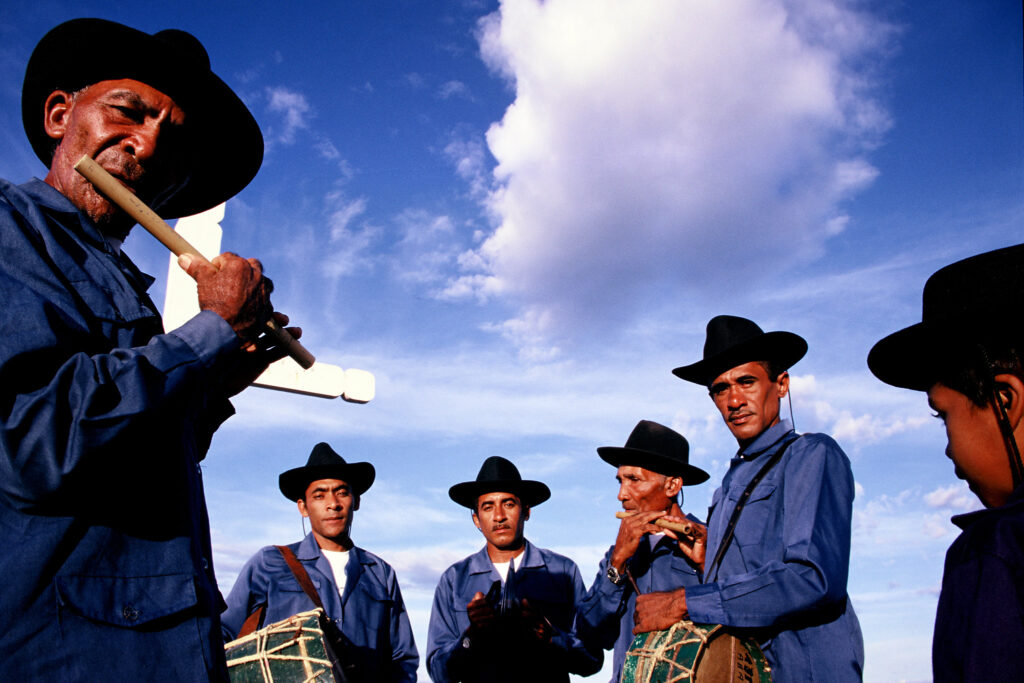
<point>615,576</point>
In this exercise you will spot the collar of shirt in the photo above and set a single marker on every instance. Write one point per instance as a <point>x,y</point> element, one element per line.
<point>968,519</point>
<point>480,562</point>
<point>764,441</point>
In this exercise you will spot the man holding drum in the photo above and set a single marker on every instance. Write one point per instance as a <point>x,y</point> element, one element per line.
<point>101,409</point>
<point>967,353</point>
<point>778,532</point>
<point>357,590</point>
<point>506,613</point>
<point>652,469</point>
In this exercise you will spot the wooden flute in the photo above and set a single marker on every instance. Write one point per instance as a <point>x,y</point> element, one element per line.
<point>680,527</point>
<point>148,219</point>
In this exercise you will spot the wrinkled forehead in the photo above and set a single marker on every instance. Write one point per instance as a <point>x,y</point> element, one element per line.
<point>637,472</point>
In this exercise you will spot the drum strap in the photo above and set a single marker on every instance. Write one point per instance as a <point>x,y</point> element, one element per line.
<point>255,620</point>
<point>730,529</point>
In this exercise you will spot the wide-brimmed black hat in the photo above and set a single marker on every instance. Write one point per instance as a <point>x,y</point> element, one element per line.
<point>225,143</point>
<point>733,341</point>
<point>498,474</point>
<point>972,301</point>
<point>324,463</point>
<point>657,448</point>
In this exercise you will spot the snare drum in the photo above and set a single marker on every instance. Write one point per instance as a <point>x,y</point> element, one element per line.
<point>291,650</point>
<point>694,653</point>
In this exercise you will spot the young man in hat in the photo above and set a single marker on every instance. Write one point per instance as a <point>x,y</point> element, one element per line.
<point>967,353</point>
<point>358,590</point>
<point>97,400</point>
<point>652,469</point>
<point>778,534</point>
<point>506,613</point>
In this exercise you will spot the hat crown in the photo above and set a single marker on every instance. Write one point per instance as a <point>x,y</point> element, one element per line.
<point>656,438</point>
<point>986,290</point>
<point>497,468</point>
<point>186,45</point>
<point>726,331</point>
<point>323,454</point>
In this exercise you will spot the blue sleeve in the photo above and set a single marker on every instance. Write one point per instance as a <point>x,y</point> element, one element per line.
<point>404,657</point>
<point>599,615</point>
<point>443,634</point>
<point>248,593</point>
<point>807,567</point>
<point>579,657</point>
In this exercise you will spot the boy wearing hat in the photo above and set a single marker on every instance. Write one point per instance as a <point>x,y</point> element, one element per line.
<point>506,613</point>
<point>98,401</point>
<point>778,534</point>
<point>967,353</point>
<point>652,469</point>
<point>358,590</point>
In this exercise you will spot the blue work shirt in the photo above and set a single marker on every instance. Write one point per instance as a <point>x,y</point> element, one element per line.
<point>549,581</point>
<point>606,613</point>
<point>784,574</point>
<point>979,626</point>
<point>104,539</point>
<point>371,613</point>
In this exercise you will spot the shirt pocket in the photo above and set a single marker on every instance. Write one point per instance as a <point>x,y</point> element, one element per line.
<point>128,602</point>
<point>757,516</point>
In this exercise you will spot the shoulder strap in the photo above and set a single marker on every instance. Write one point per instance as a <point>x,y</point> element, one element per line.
<point>300,575</point>
<point>735,518</point>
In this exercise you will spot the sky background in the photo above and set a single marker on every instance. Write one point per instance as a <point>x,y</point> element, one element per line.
<point>520,216</point>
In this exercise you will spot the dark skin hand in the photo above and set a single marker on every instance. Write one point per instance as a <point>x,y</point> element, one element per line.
<point>631,532</point>
<point>481,614</point>
<point>535,624</point>
<point>659,611</point>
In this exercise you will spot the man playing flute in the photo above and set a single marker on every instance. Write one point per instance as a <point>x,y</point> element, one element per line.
<point>357,590</point>
<point>778,534</point>
<point>506,613</point>
<point>652,469</point>
<point>104,421</point>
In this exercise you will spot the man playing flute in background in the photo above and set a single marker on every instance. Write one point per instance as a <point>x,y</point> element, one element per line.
<point>776,564</point>
<point>652,469</point>
<point>97,403</point>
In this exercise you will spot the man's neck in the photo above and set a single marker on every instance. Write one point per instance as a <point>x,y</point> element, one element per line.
<point>499,555</point>
<point>337,544</point>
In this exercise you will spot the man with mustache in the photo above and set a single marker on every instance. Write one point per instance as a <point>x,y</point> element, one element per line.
<point>967,354</point>
<point>358,591</point>
<point>652,469</point>
<point>778,534</point>
<point>506,613</point>
<point>98,403</point>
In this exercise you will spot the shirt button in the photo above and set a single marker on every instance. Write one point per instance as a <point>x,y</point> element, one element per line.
<point>206,564</point>
<point>130,613</point>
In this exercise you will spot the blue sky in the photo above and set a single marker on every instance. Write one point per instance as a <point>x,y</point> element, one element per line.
<point>520,216</point>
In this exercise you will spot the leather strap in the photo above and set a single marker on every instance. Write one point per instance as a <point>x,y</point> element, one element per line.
<point>252,622</point>
<point>300,575</point>
<point>735,518</point>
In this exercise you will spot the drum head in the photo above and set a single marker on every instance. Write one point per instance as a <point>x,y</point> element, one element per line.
<point>696,653</point>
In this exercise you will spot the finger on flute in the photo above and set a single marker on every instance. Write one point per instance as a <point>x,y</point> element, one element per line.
<point>156,226</point>
<point>679,527</point>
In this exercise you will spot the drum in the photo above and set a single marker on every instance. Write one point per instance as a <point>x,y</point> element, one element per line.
<point>695,653</point>
<point>293,650</point>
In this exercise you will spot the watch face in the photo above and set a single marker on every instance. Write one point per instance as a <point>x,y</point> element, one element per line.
<point>465,643</point>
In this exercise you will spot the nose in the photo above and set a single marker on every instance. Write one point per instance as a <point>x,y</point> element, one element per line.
<point>734,397</point>
<point>141,143</point>
<point>622,493</point>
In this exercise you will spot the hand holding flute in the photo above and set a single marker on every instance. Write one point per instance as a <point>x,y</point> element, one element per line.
<point>691,536</point>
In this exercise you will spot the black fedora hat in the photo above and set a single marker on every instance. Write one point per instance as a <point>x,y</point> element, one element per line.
<point>324,463</point>
<point>657,448</point>
<point>733,341</point>
<point>978,299</point>
<point>498,474</point>
<point>225,143</point>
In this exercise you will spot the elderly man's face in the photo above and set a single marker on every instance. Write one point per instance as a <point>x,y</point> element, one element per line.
<point>748,399</point>
<point>642,490</point>
<point>132,130</point>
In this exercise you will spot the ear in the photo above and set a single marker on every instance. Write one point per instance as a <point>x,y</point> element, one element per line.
<point>782,383</point>
<point>526,512</point>
<point>673,485</point>
<point>1010,392</point>
<point>57,113</point>
<point>302,508</point>
<point>476,520</point>
<point>355,505</point>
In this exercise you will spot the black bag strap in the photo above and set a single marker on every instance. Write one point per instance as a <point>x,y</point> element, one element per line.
<point>730,529</point>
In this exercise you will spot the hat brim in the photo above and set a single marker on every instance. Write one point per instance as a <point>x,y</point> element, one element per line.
<point>358,475</point>
<point>911,357</point>
<point>531,493</point>
<point>225,142</point>
<point>617,456</point>
<point>782,348</point>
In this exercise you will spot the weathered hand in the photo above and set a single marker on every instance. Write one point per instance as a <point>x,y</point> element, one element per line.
<point>631,530</point>
<point>694,545</point>
<point>235,289</point>
<point>257,355</point>
<point>658,611</point>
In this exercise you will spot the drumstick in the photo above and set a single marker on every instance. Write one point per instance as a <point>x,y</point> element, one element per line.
<point>680,527</point>
<point>147,218</point>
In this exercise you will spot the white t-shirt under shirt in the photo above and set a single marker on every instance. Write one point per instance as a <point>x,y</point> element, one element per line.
<point>502,567</point>
<point>338,560</point>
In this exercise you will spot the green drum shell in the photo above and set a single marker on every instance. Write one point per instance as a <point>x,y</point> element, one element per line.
<point>695,653</point>
<point>290,650</point>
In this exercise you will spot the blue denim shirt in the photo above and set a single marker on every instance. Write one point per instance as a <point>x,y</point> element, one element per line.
<point>979,625</point>
<point>784,574</point>
<point>104,538</point>
<point>371,612</point>
<point>606,613</point>
<point>552,584</point>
